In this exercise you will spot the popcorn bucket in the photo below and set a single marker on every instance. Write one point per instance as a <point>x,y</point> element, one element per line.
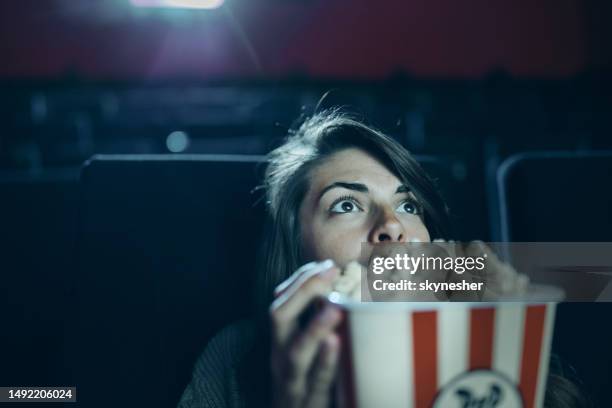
<point>444,355</point>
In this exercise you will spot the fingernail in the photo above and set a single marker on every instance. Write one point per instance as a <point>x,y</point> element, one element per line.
<point>328,263</point>
<point>325,269</point>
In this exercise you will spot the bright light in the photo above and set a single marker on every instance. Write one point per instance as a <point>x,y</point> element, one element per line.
<point>192,4</point>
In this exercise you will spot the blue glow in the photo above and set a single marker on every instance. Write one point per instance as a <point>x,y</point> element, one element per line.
<point>177,141</point>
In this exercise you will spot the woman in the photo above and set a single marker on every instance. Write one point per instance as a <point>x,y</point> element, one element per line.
<point>334,184</point>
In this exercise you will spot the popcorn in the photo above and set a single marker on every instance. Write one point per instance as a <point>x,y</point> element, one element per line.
<point>349,281</point>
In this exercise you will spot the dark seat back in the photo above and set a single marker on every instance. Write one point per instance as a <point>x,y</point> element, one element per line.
<point>565,197</point>
<point>556,197</point>
<point>37,227</point>
<point>166,256</point>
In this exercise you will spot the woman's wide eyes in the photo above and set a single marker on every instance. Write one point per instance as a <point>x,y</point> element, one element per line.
<point>344,206</point>
<point>408,206</point>
<point>347,205</point>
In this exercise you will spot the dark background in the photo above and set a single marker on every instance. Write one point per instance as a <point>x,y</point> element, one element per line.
<point>463,86</point>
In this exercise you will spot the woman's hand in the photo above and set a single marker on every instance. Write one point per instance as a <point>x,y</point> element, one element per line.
<point>500,278</point>
<point>304,359</point>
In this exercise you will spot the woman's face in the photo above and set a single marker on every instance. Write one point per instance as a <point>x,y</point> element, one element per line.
<point>353,198</point>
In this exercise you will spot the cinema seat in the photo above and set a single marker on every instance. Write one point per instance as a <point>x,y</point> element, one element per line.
<point>166,250</point>
<point>565,197</point>
<point>556,197</point>
<point>37,227</point>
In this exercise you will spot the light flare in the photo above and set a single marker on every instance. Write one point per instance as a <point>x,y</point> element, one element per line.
<point>189,4</point>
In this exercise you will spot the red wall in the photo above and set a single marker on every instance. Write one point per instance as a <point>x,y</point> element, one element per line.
<point>325,38</point>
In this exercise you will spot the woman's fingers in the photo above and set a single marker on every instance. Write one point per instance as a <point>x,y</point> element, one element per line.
<point>323,372</point>
<point>306,344</point>
<point>295,361</point>
<point>493,264</point>
<point>286,308</point>
<point>479,248</point>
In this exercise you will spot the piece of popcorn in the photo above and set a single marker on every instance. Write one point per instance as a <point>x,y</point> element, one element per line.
<point>349,281</point>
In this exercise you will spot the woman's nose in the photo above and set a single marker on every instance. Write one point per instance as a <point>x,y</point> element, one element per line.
<point>387,229</point>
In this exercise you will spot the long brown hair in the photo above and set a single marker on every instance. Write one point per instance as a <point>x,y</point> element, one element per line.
<point>286,183</point>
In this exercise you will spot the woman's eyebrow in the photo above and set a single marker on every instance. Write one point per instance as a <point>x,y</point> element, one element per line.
<point>402,189</point>
<point>362,188</point>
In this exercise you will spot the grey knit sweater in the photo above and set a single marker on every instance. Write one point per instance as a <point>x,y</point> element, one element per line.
<point>215,375</point>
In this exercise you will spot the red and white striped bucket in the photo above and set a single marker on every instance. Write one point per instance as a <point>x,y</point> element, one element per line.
<point>444,355</point>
